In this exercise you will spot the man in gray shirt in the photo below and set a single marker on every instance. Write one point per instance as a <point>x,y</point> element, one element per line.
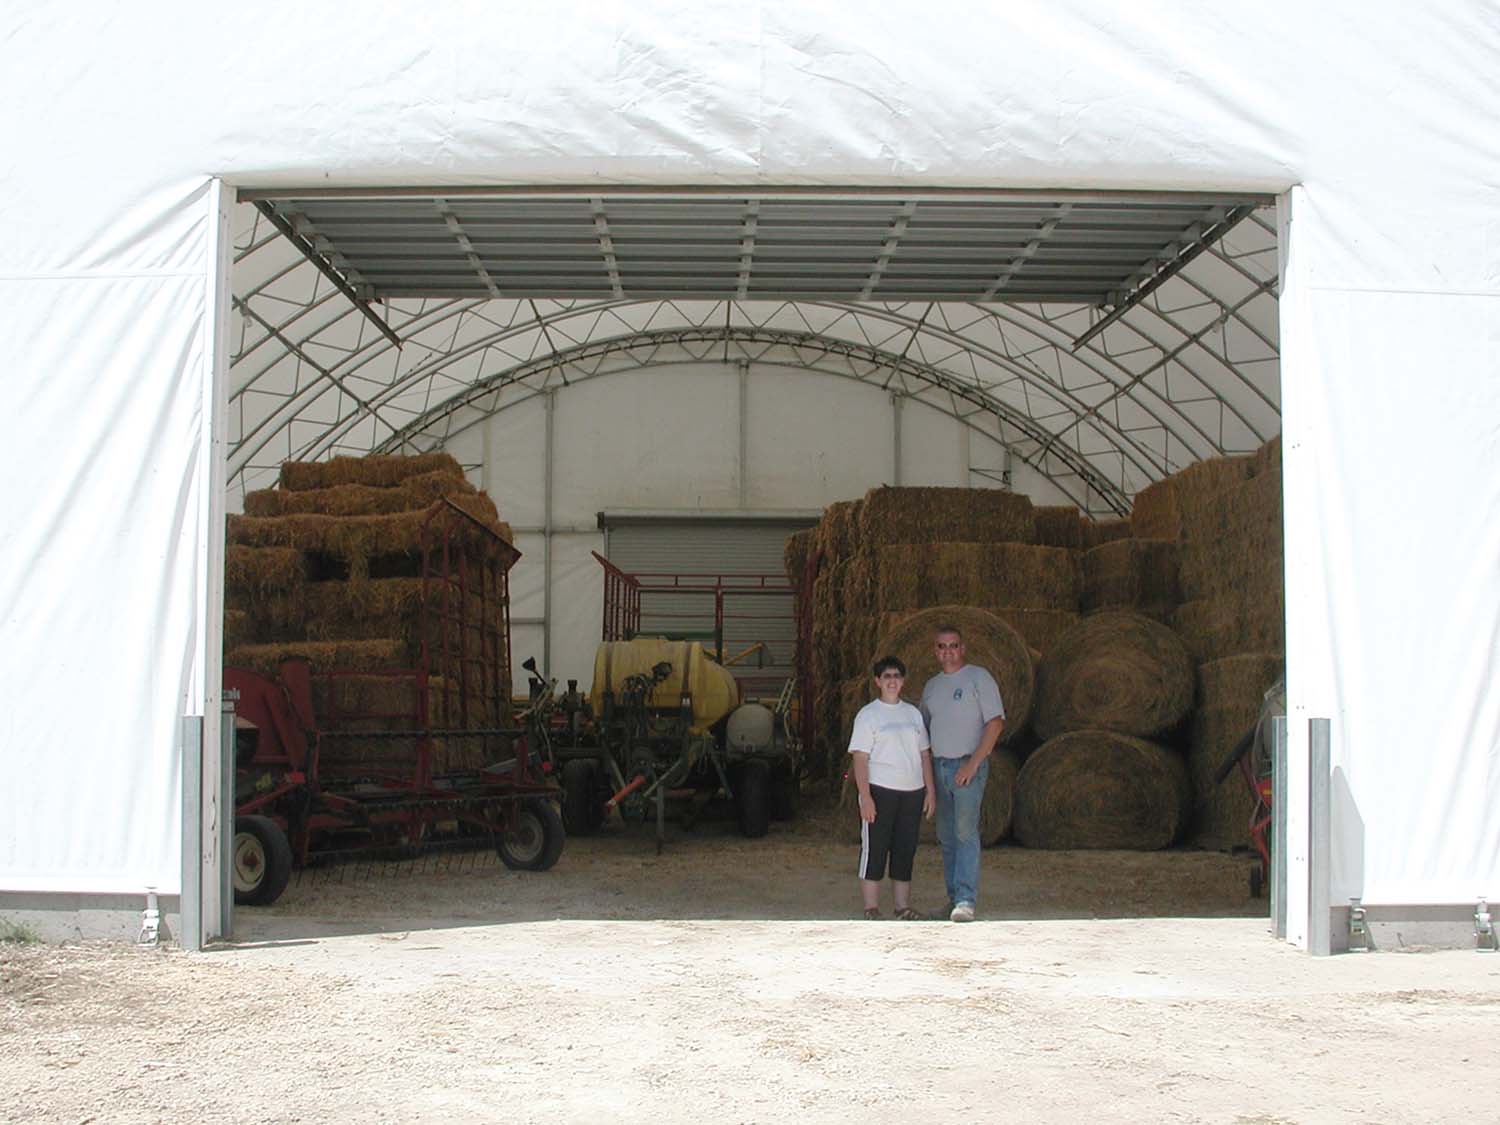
<point>965,716</point>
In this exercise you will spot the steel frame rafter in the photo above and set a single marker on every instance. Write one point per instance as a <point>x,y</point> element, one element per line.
<point>1140,400</point>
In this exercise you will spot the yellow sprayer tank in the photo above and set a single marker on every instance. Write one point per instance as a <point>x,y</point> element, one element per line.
<point>713,687</point>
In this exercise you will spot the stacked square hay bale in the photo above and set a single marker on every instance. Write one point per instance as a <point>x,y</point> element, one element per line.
<point>328,567</point>
<point>1226,514</point>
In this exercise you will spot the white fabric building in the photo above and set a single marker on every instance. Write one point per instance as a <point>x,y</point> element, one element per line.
<point>1353,308</point>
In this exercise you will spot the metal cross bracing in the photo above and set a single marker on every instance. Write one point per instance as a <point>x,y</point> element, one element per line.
<point>1189,372</point>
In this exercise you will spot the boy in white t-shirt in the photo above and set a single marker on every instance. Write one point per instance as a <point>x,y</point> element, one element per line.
<point>893,773</point>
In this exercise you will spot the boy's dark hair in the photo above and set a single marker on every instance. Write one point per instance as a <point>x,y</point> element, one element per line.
<point>889,664</point>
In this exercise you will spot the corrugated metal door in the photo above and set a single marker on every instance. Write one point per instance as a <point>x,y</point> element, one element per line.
<point>695,551</point>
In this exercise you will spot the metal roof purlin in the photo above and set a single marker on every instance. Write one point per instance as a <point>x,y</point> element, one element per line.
<point>324,267</point>
<point>1219,224</point>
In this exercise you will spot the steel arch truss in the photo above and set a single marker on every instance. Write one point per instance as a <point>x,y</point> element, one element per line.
<point>1191,372</point>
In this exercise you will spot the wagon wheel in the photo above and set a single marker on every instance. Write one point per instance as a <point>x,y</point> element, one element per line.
<point>262,861</point>
<point>533,839</point>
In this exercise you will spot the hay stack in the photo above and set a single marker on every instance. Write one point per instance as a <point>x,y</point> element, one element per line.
<point>989,642</point>
<point>1241,548</point>
<point>914,576</point>
<point>377,470</point>
<point>324,656</point>
<point>939,515</point>
<point>1100,789</point>
<point>1059,526</point>
<point>1236,622</point>
<point>1154,513</point>
<point>1138,574</point>
<point>794,556</point>
<point>1116,671</point>
<point>1230,692</point>
<point>360,499</point>
<point>1099,532</point>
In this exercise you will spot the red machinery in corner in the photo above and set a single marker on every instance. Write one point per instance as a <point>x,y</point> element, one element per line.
<point>447,767</point>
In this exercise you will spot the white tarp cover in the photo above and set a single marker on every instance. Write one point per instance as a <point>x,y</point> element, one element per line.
<point>1377,120</point>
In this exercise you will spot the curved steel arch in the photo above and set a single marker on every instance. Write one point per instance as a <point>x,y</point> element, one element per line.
<point>810,349</point>
<point>335,385</point>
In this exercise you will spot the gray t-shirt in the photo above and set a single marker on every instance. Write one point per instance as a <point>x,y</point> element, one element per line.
<point>956,706</point>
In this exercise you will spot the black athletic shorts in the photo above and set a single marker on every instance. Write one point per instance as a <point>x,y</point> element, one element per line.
<point>892,835</point>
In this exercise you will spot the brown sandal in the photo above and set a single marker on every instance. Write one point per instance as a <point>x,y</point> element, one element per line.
<point>873,914</point>
<point>910,914</point>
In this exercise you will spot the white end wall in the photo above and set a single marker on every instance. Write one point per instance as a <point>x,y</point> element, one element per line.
<point>1379,114</point>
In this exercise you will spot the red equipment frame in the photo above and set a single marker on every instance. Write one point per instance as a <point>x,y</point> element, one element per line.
<point>623,593</point>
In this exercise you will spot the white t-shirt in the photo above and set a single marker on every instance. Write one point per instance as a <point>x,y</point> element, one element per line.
<point>894,736</point>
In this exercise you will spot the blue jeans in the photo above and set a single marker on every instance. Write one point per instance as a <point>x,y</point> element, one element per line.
<point>958,827</point>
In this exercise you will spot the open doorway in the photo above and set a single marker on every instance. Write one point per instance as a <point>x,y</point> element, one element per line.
<point>1110,359</point>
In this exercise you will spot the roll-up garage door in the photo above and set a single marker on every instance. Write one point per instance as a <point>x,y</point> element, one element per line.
<point>692,553</point>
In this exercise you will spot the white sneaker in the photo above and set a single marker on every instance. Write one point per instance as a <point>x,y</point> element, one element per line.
<point>962,912</point>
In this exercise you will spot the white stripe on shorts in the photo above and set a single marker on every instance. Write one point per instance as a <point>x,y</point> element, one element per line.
<point>864,847</point>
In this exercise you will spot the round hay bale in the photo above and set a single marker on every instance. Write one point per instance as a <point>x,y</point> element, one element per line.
<point>998,809</point>
<point>1116,671</point>
<point>988,641</point>
<point>1099,789</point>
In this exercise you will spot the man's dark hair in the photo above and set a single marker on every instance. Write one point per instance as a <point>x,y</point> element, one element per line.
<point>889,664</point>
<point>945,628</point>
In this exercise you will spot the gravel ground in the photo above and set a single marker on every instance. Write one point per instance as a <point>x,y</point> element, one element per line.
<point>727,980</point>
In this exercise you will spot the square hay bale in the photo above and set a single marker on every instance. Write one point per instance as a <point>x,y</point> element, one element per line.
<point>799,548</point>
<point>379,470</point>
<point>362,546</point>
<point>1267,459</point>
<point>915,576</point>
<point>1230,693</point>
<point>859,583</point>
<point>1224,568</point>
<point>1139,574</point>
<point>239,629</point>
<point>1097,532</point>
<point>933,515</point>
<point>1199,485</point>
<point>1236,680</point>
<point>1059,526</point>
<point>1221,811</point>
<point>1154,513</point>
<point>1039,628</point>
<point>252,572</point>
<point>359,499</point>
<point>323,656</point>
<point>837,533</point>
<point>861,631</point>
<point>1238,621</point>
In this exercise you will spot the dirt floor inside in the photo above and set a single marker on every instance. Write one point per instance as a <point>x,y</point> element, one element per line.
<point>727,980</point>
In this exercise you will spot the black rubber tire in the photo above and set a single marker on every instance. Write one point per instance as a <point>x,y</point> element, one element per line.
<point>535,838</point>
<point>582,810</point>
<point>786,794</point>
<point>261,864</point>
<point>752,799</point>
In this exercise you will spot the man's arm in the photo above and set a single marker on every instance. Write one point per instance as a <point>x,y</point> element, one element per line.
<point>862,783</point>
<point>929,800</point>
<point>987,739</point>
